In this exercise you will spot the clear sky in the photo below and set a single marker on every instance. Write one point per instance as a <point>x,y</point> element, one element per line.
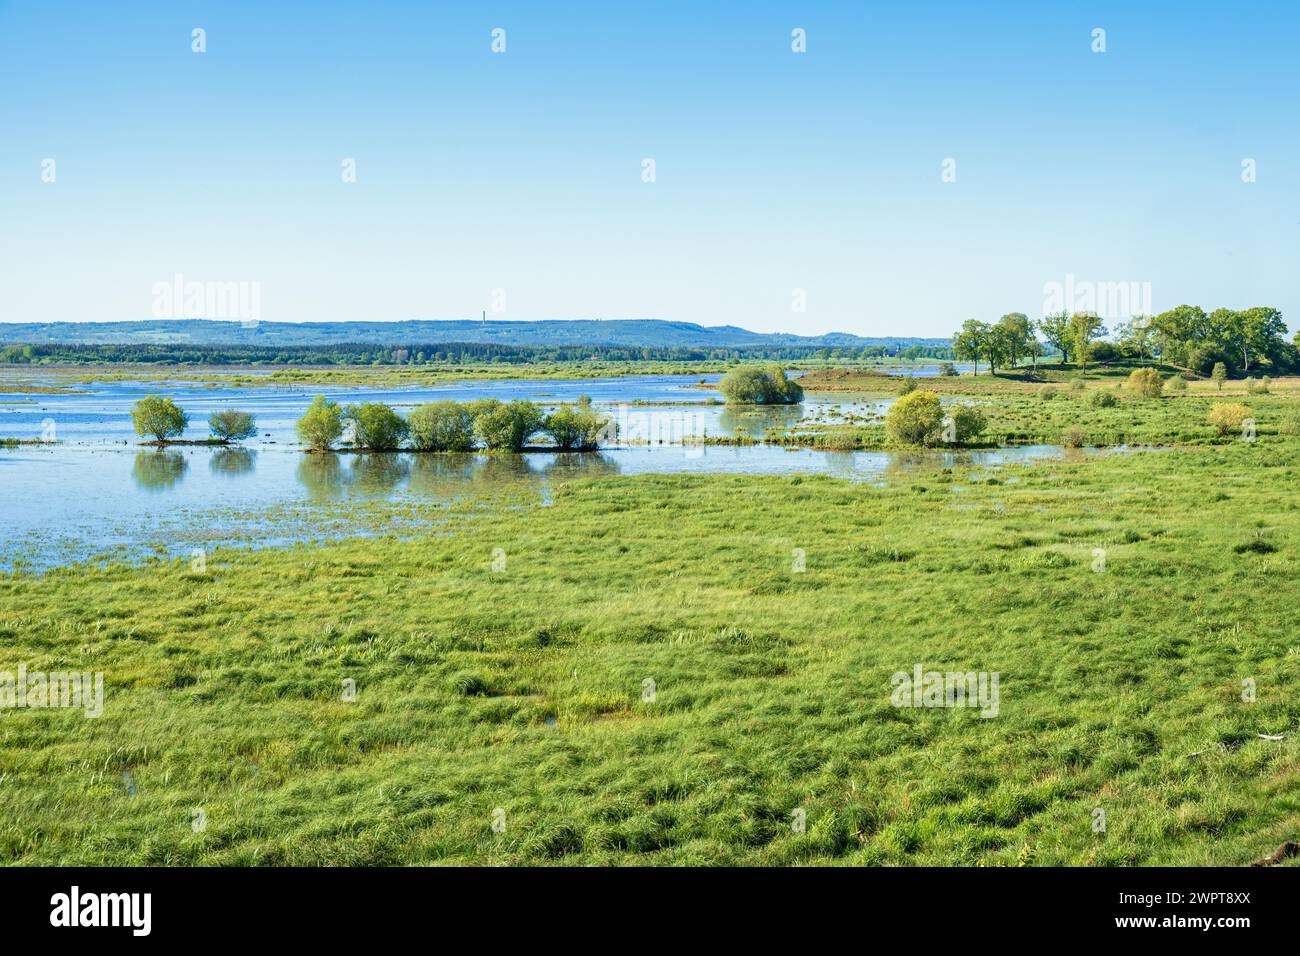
<point>523,171</point>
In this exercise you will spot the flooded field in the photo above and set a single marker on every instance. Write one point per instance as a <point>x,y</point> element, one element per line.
<point>97,493</point>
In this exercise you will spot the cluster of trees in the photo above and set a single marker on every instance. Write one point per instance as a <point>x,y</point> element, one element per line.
<point>1005,343</point>
<point>755,385</point>
<point>162,418</point>
<point>453,426</point>
<point>1188,337</point>
<point>1185,336</point>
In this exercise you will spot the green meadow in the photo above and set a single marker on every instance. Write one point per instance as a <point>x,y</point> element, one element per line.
<point>681,669</point>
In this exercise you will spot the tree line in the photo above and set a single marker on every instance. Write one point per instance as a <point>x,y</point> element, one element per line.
<point>445,353</point>
<point>1185,336</point>
<point>435,426</point>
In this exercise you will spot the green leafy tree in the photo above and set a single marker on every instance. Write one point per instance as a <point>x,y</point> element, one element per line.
<point>442,426</point>
<point>1055,329</point>
<point>578,429</point>
<point>1136,335</point>
<point>755,385</point>
<point>321,425</point>
<point>232,425</point>
<point>375,426</point>
<point>1084,327</point>
<point>1220,375</point>
<point>971,342</point>
<point>1181,334</point>
<point>1258,332</point>
<point>158,416</point>
<point>505,426</point>
<point>915,419</point>
<point>1035,350</point>
<point>1014,332</point>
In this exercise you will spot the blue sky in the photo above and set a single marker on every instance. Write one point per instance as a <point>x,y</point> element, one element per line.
<point>522,171</point>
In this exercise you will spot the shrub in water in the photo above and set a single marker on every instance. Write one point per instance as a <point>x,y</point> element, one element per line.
<point>754,385</point>
<point>157,416</point>
<point>442,426</point>
<point>915,419</point>
<point>1074,437</point>
<point>1228,417</point>
<point>231,425</point>
<point>507,426</point>
<point>321,425</point>
<point>578,429</point>
<point>375,426</point>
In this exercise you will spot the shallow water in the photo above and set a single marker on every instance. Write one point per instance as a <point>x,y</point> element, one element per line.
<point>97,492</point>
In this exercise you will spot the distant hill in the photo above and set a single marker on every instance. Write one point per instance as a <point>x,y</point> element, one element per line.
<point>647,333</point>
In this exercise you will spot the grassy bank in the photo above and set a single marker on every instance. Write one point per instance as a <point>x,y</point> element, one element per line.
<point>1024,409</point>
<point>18,378</point>
<point>522,688</point>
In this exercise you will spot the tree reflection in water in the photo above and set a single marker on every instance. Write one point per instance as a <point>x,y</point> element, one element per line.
<point>159,469</point>
<point>907,464</point>
<point>232,461</point>
<point>580,465</point>
<point>378,473</point>
<point>442,475</point>
<point>323,476</point>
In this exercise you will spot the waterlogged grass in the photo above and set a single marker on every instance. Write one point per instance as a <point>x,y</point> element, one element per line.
<point>521,688</point>
<point>1021,411</point>
<point>19,378</point>
<point>1017,419</point>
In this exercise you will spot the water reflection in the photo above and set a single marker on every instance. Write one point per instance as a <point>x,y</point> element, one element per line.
<point>323,476</point>
<point>159,469</point>
<point>232,461</point>
<point>581,465</point>
<point>378,474</point>
<point>905,464</point>
<point>841,462</point>
<point>504,468</point>
<point>441,475</point>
